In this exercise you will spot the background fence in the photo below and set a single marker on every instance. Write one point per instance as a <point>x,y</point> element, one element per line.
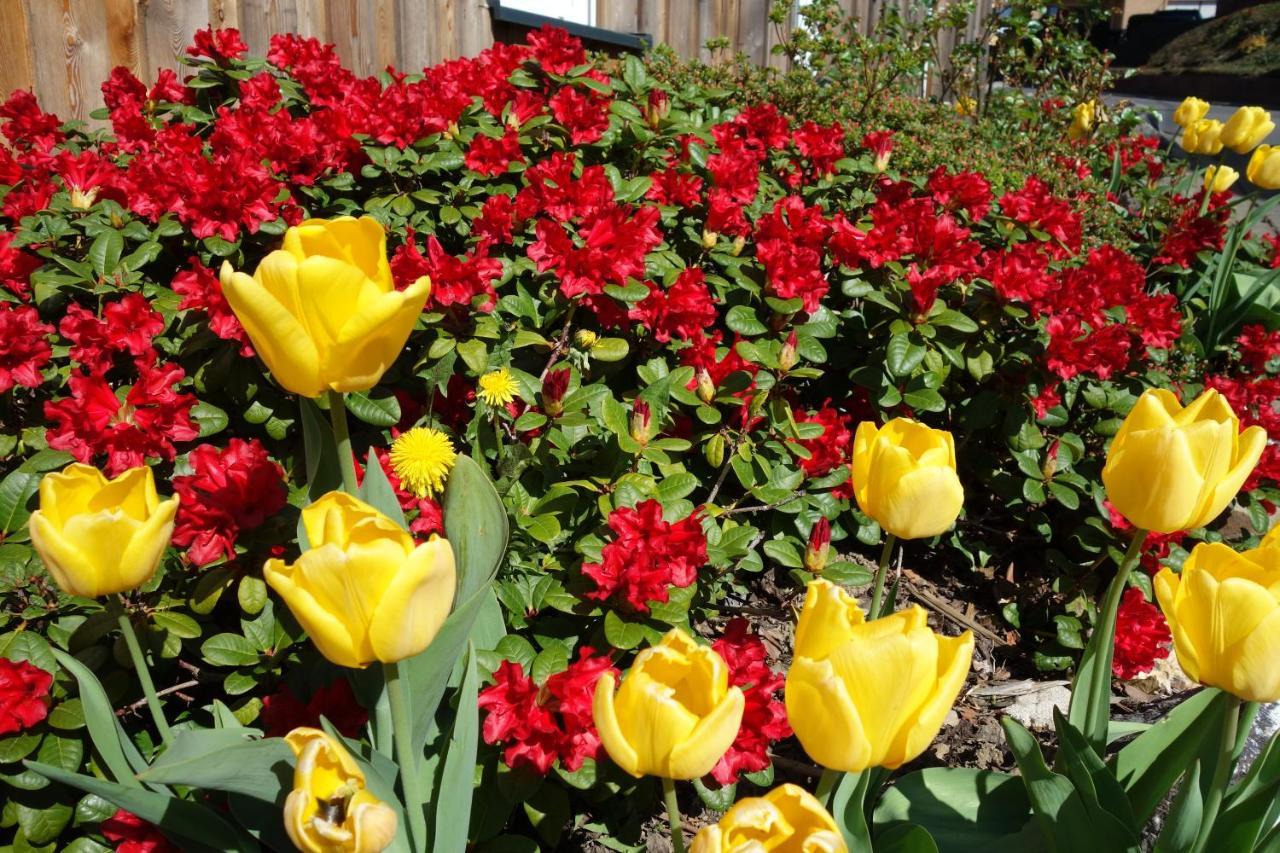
<point>63,49</point>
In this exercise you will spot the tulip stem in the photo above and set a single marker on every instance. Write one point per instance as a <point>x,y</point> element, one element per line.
<point>826,785</point>
<point>144,678</point>
<point>401,722</point>
<point>878,592</point>
<point>673,814</point>
<point>342,437</point>
<point>1221,772</point>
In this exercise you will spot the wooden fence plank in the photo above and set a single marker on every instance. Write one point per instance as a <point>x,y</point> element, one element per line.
<point>224,14</point>
<point>652,17</point>
<point>475,28</point>
<point>17,71</point>
<point>167,27</point>
<point>260,19</point>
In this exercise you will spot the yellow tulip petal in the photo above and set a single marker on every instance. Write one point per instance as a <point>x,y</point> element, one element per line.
<point>296,819</point>
<point>863,440</point>
<point>1251,444</point>
<point>1216,616</point>
<point>710,739</point>
<point>148,543</point>
<point>350,584</point>
<point>654,721</point>
<point>374,339</point>
<point>374,823</point>
<point>955,655</point>
<point>68,492</point>
<point>1255,675</point>
<point>277,335</point>
<point>605,715</point>
<point>331,293</point>
<point>70,567</point>
<point>329,633</point>
<point>132,492</point>
<point>1156,408</point>
<point>1152,480</point>
<point>107,536</point>
<point>924,502</point>
<point>824,718</point>
<point>826,620</point>
<point>416,602</point>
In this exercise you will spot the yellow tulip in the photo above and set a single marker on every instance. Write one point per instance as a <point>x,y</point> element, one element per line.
<point>1202,137</point>
<point>1171,468</point>
<point>675,714</point>
<point>1246,128</point>
<point>1224,614</point>
<point>329,810</point>
<point>869,694</point>
<point>99,536</point>
<point>1190,111</point>
<point>1219,179</point>
<point>788,818</point>
<point>904,476</point>
<point>1082,116</point>
<point>363,591</point>
<point>966,106</point>
<point>322,310</point>
<point>1264,167</point>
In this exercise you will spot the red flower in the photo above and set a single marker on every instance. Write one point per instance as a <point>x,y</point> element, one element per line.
<point>821,145</point>
<point>1142,635</point>
<point>496,221</point>
<point>16,266</point>
<point>879,143</point>
<point>830,449</point>
<point>127,326</point>
<point>24,695</point>
<point>553,188</point>
<point>228,492</point>
<point>614,247</point>
<point>132,834</point>
<point>1192,233</point>
<point>1037,208</point>
<point>1020,274</point>
<point>789,242</point>
<point>967,191</point>
<point>201,291</point>
<point>26,126</point>
<point>282,711</point>
<point>218,45</point>
<point>24,346</point>
<point>584,114</point>
<point>680,311</point>
<point>1155,319</point>
<point>1072,351</point>
<point>555,50</point>
<point>764,717</point>
<point>1258,346</point>
<point>490,156</point>
<point>647,556</point>
<point>674,187</point>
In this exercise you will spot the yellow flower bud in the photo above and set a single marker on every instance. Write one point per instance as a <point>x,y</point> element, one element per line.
<point>98,536</point>
<point>1224,614</point>
<point>966,106</point>
<point>1202,137</point>
<point>1219,179</point>
<point>329,809</point>
<point>1246,128</point>
<point>869,694</point>
<point>786,818</point>
<point>675,714</point>
<point>1171,468</point>
<point>1082,117</point>
<point>904,476</point>
<point>1264,167</point>
<point>585,338</point>
<point>1190,111</point>
<point>322,310</point>
<point>364,592</point>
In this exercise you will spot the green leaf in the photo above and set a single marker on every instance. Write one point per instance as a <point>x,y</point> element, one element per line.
<point>179,624</point>
<point>209,418</point>
<point>847,807</point>
<point>906,838</point>
<point>225,760</point>
<point>323,473</point>
<point>104,252</point>
<point>1090,775</point>
<point>100,717</point>
<point>1250,806</point>
<point>622,634</point>
<point>381,411</point>
<point>610,349</point>
<point>717,797</point>
<point>743,320</point>
<point>251,593</point>
<point>473,352</point>
<point>1185,815</point>
<point>963,809</point>
<point>377,491</point>
<point>229,650</point>
<point>64,752</point>
<point>902,356</point>
<point>16,490</point>
<point>457,786</point>
<point>549,811</point>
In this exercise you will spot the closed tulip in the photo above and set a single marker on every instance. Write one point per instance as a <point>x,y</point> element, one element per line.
<point>1190,111</point>
<point>1246,128</point>
<point>329,809</point>
<point>904,476</point>
<point>1202,137</point>
<point>323,311</point>
<point>98,536</point>
<point>1172,468</point>
<point>363,591</point>
<point>1264,167</point>
<point>1082,118</point>
<point>675,714</point>
<point>788,818</point>
<point>1224,614</point>
<point>865,694</point>
<point>1219,179</point>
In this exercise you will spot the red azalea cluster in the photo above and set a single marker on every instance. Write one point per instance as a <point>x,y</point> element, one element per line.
<point>228,492</point>
<point>201,290</point>
<point>829,450</point>
<point>1136,151</point>
<point>680,311</point>
<point>1254,397</point>
<point>125,328</point>
<point>24,695</point>
<point>1192,233</point>
<point>454,281</point>
<point>764,717</point>
<point>647,556</point>
<point>539,724</point>
<point>492,156</point>
<point>24,346</point>
<point>790,240</point>
<point>131,834</point>
<point>283,711</point>
<point>821,146</point>
<point>93,421</point>
<point>16,263</point>
<point>1142,635</point>
<point>1036,207</point>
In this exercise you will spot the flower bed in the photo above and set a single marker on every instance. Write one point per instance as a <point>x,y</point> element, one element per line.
<point>656,318</point>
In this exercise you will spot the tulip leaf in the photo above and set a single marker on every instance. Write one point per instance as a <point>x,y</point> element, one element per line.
<point>1087,772</point>
<point>376,411</point>
<point>906,838</point>
<point>376,490</point>
<point>100,717</point>
<point>457,776</point>
<point>1247,811</point>
<point>1185,815</point>
<point>963,809</point>
<point>848,807</point>
<point>199,828</point>
<point>225,760</point>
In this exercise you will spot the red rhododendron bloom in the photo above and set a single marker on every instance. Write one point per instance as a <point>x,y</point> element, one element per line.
<point>555,50</point>
<point>218,45</point>
<point>490,156</point>
<point>283,711</point>
<point>821,145</point>
<point>1019,274</point>
<point>1142,635</point>
<point>614,245</point>
<point>647,556</point>
<point>1037,208</point>
<point>584,114</point>
<point>1258,346</point>
<point>789,242</point>
<point>24,695</point>
<point>879,143</point>
<point>674,187</point>
<point>126,327</point>
<point>16,266</point>
<point>553,188</point>
<point>24,346</point>
<point>228,491</point>
<point>26,126</point>
<point>132,834</point>
<point>830,449</point>
<point>967,191</point>
<point>680,311</point>
<point>539,725</point>
<point>1073,351</point>
<point>1192,233</point>
<point>201,291</point>
<point>764,717</point>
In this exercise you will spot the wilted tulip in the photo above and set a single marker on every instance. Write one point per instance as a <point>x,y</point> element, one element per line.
<point>869,694</point>
<point>1264,167</point>
<point>1219,179</point>
<point>323,311</point>
<point>329,809</point>
<point>363,591</point>
<point>98,536</point>
<point>675,714</point>
<point>788,818</point>
<point>904,476</point>
<point>1202,137</point>
<point>1190,111</point>
<point>1171,468</point>
<point>1246,128</point>
<point>1224,614</point>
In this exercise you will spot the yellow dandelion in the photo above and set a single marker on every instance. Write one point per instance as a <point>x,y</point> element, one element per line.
<point>498,387</point>
<point>422,459</point>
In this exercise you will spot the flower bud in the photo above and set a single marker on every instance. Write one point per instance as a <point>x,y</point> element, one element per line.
<point>1218,179</point>
<point>709,239</point>
<point>706,386</point>
<point>585,338</point>
<point>738,243</point>
<point>787,356</point>
<point>1264,167</point>
<point>554,386</point>
<point>658,108</point>
<point>1050,466</point>
<point>641,422</point>
<point>83,199</point>
<point>714,451</point>
<point>815,556</point>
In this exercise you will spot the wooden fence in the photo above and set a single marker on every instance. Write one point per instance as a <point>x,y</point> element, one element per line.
<point>64,49</point>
